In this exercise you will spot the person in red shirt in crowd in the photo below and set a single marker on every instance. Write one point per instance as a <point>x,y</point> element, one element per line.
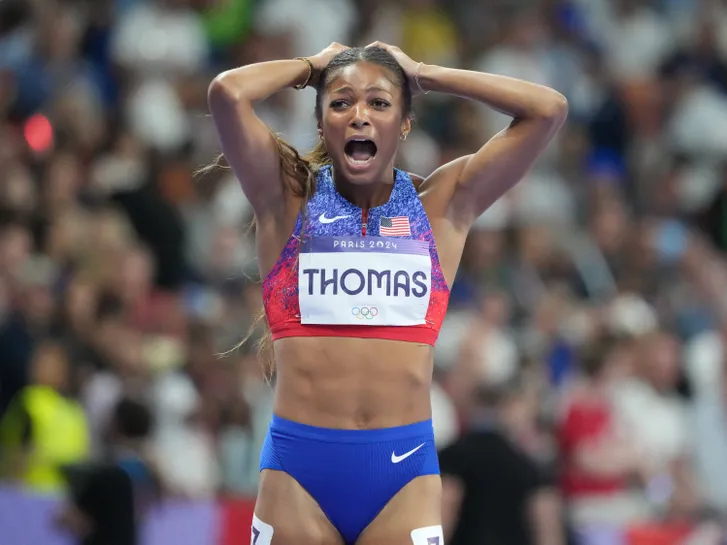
<point>600,464</point>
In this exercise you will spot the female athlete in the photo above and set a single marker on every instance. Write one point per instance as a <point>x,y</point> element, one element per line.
<point>357,257</point>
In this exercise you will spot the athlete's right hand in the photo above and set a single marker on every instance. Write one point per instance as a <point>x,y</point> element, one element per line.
<point>321,60</point>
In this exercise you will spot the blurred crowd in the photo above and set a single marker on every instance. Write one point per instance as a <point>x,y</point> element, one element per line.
<point>593,296</point>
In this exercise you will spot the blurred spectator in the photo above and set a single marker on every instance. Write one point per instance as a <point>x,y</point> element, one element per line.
<point>172,45</point>
<point>488,353</point>
<point>428,33</point>
<point>656,416</point>
<point>237,453</point>
<point>637,38</point>
<point>444,416</point>
<point>181,442</point>
<point>109,497</point>
<point>601,464</point>
<point>523,53</point>
<point>492,490</point>
<point>712,218</point>
<point>43,430</point>
<point>708,436</point>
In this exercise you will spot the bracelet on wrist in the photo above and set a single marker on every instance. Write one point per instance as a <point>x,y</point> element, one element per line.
<point>310,74</point>
<point>416,79</point>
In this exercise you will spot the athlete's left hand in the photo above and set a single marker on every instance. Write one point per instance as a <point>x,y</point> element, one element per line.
<point>409,65</point>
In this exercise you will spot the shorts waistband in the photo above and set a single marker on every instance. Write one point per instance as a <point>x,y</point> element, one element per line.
<point>332,435</point>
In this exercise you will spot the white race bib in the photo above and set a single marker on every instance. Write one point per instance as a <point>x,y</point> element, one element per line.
<point>364,281</point>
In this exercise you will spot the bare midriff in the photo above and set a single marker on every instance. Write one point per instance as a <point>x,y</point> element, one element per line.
<point>349,383</point>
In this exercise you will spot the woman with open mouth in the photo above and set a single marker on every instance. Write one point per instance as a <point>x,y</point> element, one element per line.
<point>357,258</point>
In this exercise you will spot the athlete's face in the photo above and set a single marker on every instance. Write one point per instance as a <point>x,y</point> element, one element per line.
<point>362,121</point>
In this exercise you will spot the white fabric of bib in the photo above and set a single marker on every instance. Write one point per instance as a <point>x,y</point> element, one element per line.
<point>372,281</point>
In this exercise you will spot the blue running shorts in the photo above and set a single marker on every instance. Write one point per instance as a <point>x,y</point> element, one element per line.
<point>352,474</point>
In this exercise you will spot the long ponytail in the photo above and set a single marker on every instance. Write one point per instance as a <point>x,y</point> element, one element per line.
<point>300,171</point>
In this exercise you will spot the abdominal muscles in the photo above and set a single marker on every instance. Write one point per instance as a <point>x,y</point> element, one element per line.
<point>349,383</point>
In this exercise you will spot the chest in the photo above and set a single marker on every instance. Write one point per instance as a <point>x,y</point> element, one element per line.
<point>330,217</point>
<point>327,213</point>
<point>365,266</point>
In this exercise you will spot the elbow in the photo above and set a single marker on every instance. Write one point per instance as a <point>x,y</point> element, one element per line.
<point>223,89</point>
<point>553,108</point>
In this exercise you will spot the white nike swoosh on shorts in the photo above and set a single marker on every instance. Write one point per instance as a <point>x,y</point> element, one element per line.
<point>396,459</point>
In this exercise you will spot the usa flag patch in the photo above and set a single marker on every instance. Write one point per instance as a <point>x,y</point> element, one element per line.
<point>394,227</point>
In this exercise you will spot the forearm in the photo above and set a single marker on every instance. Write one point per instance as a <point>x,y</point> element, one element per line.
<point>546,518</point>
<point>514,97</point>
<point>256,82</point>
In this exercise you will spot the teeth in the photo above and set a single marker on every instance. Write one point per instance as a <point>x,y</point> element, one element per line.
<point>360,161</point>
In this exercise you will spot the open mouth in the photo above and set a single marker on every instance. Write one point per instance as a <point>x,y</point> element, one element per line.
<point>360,152</point>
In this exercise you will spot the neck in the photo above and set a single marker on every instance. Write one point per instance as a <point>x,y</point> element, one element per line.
<point>368,195</point>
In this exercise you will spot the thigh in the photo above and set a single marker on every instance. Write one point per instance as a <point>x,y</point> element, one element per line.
<point>288,515</point>
<point>416,506</point>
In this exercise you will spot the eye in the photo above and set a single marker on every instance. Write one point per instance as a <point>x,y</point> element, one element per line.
<point>338,104</point>
<point>380,103</point>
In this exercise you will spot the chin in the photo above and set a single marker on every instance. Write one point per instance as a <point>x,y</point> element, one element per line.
<point>367,172</point>
<point>359,172</point>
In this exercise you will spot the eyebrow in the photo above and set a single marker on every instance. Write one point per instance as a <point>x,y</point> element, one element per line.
<point>348,88</point>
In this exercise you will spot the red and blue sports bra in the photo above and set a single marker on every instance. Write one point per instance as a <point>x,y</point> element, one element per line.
<point>372,273</point>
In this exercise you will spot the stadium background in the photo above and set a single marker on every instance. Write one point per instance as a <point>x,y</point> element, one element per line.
<point>123,275</point>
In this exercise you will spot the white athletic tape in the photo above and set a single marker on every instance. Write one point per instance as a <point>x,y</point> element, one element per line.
<point>429,535</point>
<point>261,533</point>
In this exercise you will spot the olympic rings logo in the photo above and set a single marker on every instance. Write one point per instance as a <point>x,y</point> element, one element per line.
<point>365,313</point>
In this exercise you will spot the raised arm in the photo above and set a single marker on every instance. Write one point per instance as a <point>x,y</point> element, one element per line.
<point>486,175</point>
<point>483,177</point>
<point>248,144</point>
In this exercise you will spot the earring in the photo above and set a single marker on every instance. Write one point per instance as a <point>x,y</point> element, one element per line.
<point>320,135</point>
<point>403,136</point>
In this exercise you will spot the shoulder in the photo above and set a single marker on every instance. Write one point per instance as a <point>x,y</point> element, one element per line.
<point>416,180</point>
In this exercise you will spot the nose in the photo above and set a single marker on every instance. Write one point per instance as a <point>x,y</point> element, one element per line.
<point>360,117</point>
